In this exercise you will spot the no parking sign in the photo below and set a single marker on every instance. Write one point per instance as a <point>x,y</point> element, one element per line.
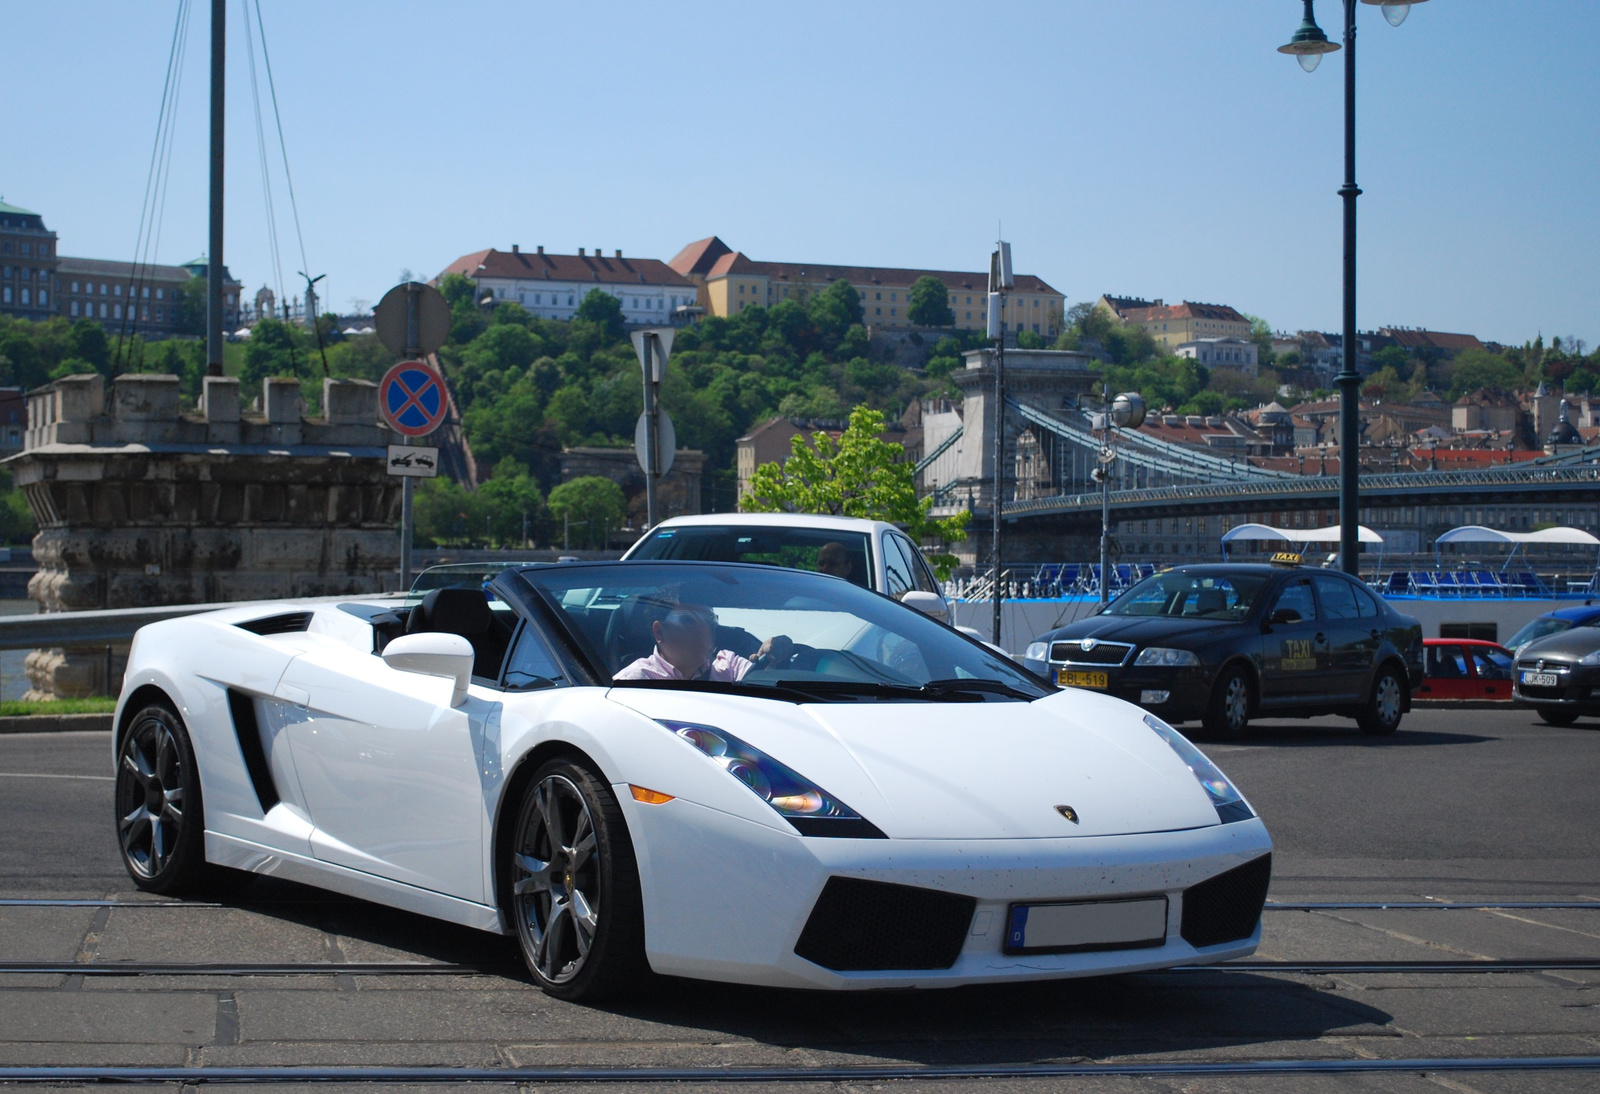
<point>412,398</point>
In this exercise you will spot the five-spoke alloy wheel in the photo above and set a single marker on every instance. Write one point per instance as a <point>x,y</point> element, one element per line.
<point>574,886</point>
<point>159,825</point>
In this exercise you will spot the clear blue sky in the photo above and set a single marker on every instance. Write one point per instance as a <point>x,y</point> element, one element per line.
<point>1138,147</point>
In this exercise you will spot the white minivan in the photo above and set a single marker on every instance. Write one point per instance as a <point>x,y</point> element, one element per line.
<point>871,553</point>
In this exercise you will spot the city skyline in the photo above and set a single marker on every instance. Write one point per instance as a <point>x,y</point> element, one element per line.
<point>1164,152</point>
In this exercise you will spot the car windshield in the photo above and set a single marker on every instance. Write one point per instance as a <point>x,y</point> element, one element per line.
<point>842,554</point>
<point>764,630</point>
<point>454,575</point>
<point>1189,594</point>
<point>1543,627</point>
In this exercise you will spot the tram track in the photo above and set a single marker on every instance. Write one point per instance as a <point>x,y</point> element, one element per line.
<point>540,1076</point>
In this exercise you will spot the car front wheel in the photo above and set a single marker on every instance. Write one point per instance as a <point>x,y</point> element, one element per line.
<point>160,826</point>
<point>575,894</point>
<point>1228,713</point>
<point>1556,716</point>
<point>1385,705</point>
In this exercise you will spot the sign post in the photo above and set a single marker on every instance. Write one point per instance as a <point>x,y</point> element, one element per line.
<point>412,320</point>
<point>653,346</point>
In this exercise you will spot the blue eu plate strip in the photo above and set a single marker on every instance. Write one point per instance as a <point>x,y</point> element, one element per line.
<point>1019,924</point>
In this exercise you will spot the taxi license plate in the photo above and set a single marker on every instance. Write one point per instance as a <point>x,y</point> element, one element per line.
<point>1541,679</point>
<point>1068,678</point>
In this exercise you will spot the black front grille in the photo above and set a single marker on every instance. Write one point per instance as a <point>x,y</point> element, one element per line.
<point>1071,652</point>
<point>858,925</point>
<point>1226,908</point>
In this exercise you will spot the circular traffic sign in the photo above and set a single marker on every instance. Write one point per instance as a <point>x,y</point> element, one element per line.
<point>412,398</point>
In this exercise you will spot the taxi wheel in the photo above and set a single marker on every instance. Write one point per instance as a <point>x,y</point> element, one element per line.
<point>1381,716</point>
<point>1228,713</point>
<point>1558,717</point>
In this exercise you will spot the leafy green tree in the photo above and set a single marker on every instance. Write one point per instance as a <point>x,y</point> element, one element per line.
<point>859,475</point>
<point>1261,335</point>
<point>514,504</point>
<point>930,304</point>
<point>1390,357</point>
<point>189,305</point>
<point>605,312</point>
<point>271,351</point>
<point>592,507</point>
<point>835,310</point>
<point>1477,368</point>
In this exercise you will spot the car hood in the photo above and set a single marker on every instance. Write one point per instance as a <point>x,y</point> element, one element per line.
<point>1567,645</point>
<point>1144,630</point>
<point>967,770</point>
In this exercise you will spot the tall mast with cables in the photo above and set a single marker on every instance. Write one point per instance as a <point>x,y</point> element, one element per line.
<point>214,268</point>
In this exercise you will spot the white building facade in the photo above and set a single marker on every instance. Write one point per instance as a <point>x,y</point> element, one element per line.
<point>1234,353</point>
<point>552,286</point>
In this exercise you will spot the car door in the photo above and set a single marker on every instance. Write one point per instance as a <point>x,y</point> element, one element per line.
<point>1491,669</point>
<point>897,579</point>
<point>389,769</point>
<point>1446,673</point>
<point>1350,649</point>
<point>1294,648</point>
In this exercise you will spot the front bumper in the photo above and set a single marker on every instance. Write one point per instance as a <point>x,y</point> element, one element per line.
<point>1188,690</point>
<point>1578,689</point>
<point>728,899</point>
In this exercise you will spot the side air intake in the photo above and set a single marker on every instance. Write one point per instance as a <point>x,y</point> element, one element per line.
<point>248,730</point>
<point>287,623</point>
<point>859,924</point>
<point>1226,908</point>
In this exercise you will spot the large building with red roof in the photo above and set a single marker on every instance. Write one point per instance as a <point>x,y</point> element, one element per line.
<point>552,286</point>
<point>729,281</point>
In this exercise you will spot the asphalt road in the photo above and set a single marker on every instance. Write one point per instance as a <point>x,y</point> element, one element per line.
<point>1459,806</point>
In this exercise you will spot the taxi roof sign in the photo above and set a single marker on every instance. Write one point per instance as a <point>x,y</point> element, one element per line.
<point>1286,558</point>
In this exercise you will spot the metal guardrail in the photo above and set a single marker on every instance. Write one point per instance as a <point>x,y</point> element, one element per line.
<point>1298,488</point>
<point>114,626</point>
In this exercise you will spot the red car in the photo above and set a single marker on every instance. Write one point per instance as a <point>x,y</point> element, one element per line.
<point>1465,668</point>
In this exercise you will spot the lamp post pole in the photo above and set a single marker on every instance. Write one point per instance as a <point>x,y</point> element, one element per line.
<point>1307,46</point>
<point>1349,379</point>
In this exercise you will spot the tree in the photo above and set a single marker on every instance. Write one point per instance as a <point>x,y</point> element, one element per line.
<point>859,475</point>
<point>1478,368</point>
<point>513,505</point>
<point>1261,335</point>
<point>592,506</point>
<point>605,312</point>
<point>930,304</point>
<point>835,310</point>
<point>190,307</point>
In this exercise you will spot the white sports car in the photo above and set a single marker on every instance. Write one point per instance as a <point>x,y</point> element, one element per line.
<point>714,770</point>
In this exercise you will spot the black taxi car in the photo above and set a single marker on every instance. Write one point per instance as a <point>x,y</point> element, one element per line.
<point>1225,642</point>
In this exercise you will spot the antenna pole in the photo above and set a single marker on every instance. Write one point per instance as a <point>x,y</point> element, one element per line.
<point>214,257</point>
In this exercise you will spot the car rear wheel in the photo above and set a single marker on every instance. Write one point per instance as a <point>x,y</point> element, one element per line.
<point>1385,705</point>
<point>1228,713</point>
<point>1555,716</point>
<point>575,894</point>
<point>160,826</point>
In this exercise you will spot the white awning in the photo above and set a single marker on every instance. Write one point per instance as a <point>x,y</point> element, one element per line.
<point>1477,533</point>
<point>1297,535</point>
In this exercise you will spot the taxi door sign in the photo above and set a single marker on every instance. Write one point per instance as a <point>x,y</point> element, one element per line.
<point>1299,655</point>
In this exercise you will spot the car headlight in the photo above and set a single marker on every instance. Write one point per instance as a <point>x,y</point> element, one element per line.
<point>1228,802</point>
<point>1590,658</point>
<point>1037,651</point>
<point>804,804</point>
<point>1165,658</point>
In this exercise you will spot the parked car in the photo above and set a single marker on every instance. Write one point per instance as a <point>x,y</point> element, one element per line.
<point>1586,615</point>
<point>1224,643</point>
<point>512,758</point>
<point>871,553</point>
<point>1559,675</point>
<point>1465,668</point>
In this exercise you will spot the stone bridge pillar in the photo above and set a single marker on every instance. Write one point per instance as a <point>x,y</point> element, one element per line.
<point>140,503</point>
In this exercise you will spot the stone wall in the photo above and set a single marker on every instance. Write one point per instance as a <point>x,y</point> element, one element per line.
<point>140,504</point>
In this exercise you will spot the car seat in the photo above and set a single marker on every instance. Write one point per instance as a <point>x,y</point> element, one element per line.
<point>1211,600</point>
<point>465,612</point>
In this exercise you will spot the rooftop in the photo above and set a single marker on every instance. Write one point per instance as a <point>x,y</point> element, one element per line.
<point>1186,310</point>
<point>810,273</point>
<point>520,264</point>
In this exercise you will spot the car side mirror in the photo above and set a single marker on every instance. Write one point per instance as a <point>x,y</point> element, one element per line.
<point>434,653</point>
<point>928,604</point>
<point>1284,615</point>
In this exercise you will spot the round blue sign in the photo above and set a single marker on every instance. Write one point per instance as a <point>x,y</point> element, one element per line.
<point>412,398</point>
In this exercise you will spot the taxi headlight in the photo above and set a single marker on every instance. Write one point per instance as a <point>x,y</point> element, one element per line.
<point>802,803</point>
<point>1228,802</point>
<point>1590,658</point>
<point>1037,651</point>
<point>1165,658</point>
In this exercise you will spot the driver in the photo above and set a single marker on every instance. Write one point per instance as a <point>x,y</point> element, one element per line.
<point>686,649</point>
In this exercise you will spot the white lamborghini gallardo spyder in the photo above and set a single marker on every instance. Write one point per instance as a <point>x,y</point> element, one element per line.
<point>724,771</point>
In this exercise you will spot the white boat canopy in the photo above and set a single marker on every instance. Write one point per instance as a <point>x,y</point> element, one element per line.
<point>1297,535</point>
<point>1477,533</point>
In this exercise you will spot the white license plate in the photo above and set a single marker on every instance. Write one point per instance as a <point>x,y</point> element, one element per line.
<point>1541,679</point>
<point>1086,925</point>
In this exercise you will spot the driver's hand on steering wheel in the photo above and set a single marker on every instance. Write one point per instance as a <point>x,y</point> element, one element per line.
<point>774,652</point>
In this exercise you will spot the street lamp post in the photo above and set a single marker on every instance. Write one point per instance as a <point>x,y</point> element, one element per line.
<point>1307,46</point>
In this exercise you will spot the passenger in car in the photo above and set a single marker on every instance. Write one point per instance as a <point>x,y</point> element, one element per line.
<point>835,559</point>
<point>686,649</point>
